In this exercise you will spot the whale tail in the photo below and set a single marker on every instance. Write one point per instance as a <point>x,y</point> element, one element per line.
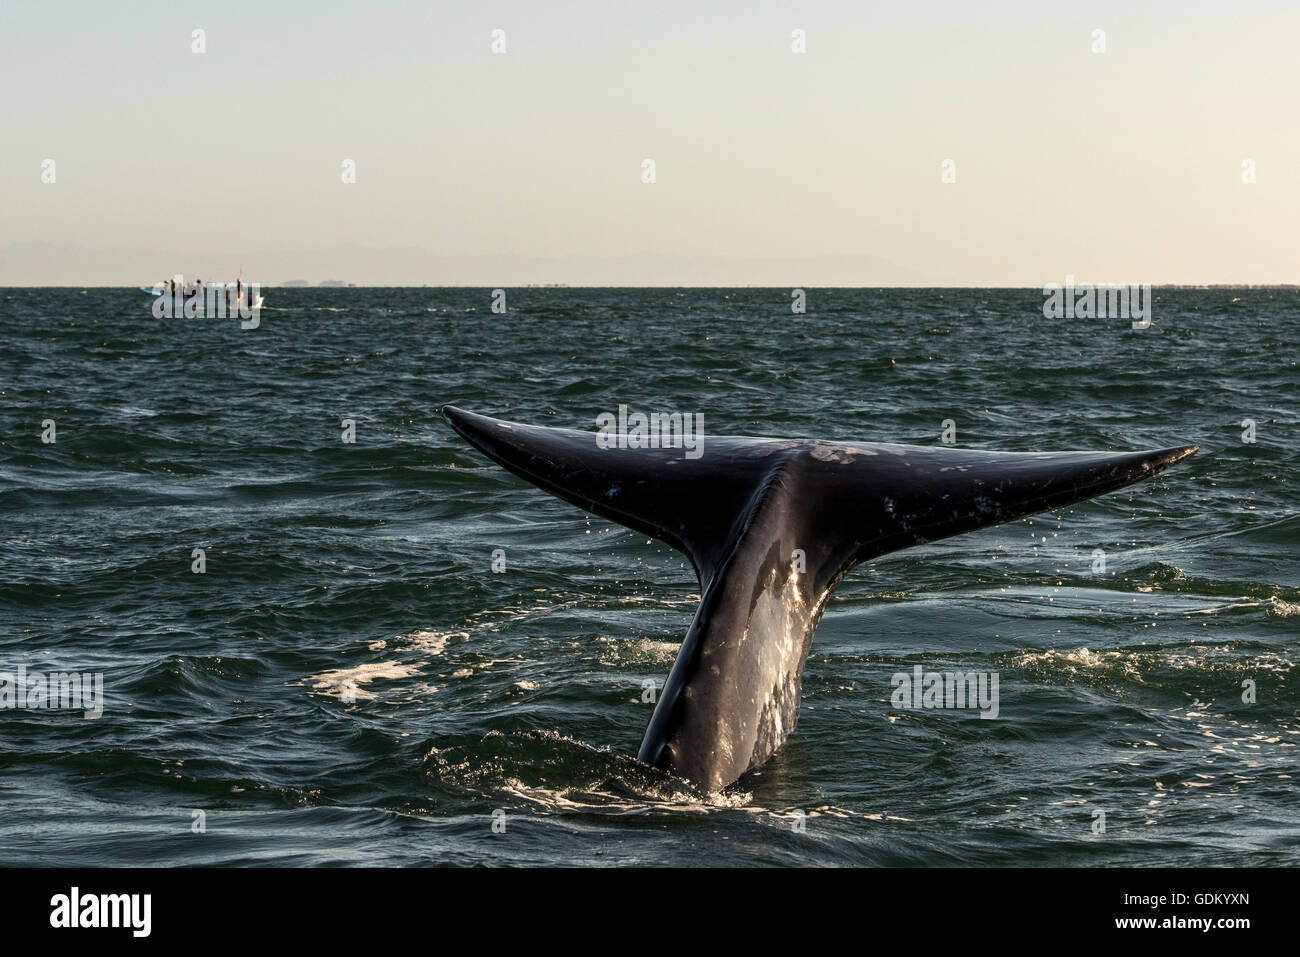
<point>771,526</point>
<point>861,499</point>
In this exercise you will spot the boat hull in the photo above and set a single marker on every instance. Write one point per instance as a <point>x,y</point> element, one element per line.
<point>175,305</point>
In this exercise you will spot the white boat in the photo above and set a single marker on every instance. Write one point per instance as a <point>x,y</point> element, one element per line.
<point>215,299</point>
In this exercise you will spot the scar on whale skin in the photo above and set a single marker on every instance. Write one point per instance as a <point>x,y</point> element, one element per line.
<point>741,513</point>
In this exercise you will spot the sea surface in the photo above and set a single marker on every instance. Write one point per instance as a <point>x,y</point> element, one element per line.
<point>349,681</point>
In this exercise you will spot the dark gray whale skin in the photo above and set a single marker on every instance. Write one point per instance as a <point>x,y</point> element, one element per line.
<point>771,526</point>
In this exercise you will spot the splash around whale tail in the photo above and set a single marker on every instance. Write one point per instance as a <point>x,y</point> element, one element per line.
<point>771,526</point>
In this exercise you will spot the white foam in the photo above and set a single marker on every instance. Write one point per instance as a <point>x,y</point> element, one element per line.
<point>342,682</point>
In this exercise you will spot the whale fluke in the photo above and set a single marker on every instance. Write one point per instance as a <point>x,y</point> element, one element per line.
<point>771,526</point>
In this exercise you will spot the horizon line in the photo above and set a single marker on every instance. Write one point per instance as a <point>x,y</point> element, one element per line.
<point>303,284</point>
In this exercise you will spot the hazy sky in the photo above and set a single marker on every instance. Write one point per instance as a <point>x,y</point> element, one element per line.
<point>771,166</point>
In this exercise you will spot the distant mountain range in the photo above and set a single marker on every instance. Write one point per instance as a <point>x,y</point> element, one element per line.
<point>42,264</point>
<point>49,264</point>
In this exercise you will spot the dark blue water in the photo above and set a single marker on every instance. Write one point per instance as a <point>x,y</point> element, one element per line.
<point>350,682</point>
